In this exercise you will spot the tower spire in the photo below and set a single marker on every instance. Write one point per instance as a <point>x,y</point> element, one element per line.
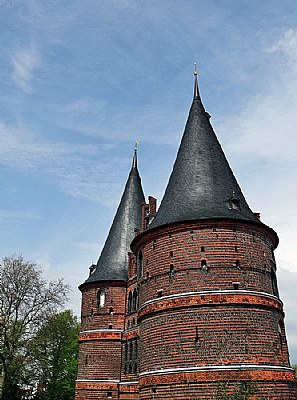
<point>196,89</point>
<point>134,162</point>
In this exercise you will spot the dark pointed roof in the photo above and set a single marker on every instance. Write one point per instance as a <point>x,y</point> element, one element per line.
<point>113,261</point>
<point>202,184</point>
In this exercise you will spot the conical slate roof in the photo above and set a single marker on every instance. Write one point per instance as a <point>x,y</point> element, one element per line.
<point>113,261</point>
<point>202,184</point>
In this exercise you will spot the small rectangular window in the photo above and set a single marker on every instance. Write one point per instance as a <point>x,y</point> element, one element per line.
<point>160,293</point>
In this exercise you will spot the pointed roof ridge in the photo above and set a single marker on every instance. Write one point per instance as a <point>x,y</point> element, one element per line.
<point>113,261</point>
<point>202,184</point>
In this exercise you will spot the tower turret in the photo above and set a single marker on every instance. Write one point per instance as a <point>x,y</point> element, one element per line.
<point>103,300</point>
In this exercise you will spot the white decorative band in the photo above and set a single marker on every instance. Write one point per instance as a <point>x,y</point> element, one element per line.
<point>235,367</point>
<point>129,383</point>
<point>98,380</point>
<point>101,330</point>
<point>207,293</point>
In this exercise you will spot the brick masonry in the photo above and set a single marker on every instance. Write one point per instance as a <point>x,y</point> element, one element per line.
<point>200,312</point>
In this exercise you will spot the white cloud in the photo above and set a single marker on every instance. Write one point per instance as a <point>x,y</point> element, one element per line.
<point>287,44</point>
<point>75,169</point>
<point>24,62</point>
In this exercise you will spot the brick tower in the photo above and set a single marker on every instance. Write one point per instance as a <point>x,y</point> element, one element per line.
<point>210,319</point>
<point>103,301</point>
<point>195,311</point>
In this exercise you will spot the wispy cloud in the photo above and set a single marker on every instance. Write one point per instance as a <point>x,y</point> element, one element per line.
<point>79,170</point>
<point>25,61</point>
<point>16,217</point>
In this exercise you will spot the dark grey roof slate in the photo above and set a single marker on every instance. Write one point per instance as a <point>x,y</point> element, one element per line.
<point>202,184</point>
<point>113,261</point>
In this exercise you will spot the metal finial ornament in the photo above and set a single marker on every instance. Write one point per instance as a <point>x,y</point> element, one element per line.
<point>134,163</point>
<point>195,69</point>
<point>196,90</point>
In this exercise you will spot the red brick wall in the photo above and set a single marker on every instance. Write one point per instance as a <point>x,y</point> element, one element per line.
<point>236,327</point>
<point>100,341</point>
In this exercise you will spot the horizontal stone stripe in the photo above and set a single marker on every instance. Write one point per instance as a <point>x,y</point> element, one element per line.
<point>100,334</point>
<point>216,373</point>
<point>213,298</point>
<point>96,384</point>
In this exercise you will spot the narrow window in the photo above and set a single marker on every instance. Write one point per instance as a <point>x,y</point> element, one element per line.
<point>140,263</point>
<point>236,249</point>
<point>237,264</point>
<point>109,395</point>
<point>109,326</point>
<point>274,282</point>
<point>203,264</point>
<point>134,300</point>
<point>101,298</point>
<point>202,249</point>
<point>111,311</point>
<point>160,293</point>
<point>280,333</point>
<point>171,254</point>
<point>171,270</point>
<point>236,285</point>
<point>197,340</point>
<point>130,302</point>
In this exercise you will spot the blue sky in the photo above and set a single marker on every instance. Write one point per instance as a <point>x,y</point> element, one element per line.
<point>80,81</point>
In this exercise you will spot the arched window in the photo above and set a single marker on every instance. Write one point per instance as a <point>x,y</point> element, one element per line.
<point>274,282</point>
<point>101,298</point>
<point>134,300</point>
<point>140,263</point>
<point>130,302</point>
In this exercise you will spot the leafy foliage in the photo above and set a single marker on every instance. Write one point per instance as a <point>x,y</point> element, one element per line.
<point>27,300</point>
<point>54,362</point>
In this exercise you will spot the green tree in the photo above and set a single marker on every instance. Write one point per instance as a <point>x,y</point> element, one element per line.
<point>26,301</point>
<point>55,357</point>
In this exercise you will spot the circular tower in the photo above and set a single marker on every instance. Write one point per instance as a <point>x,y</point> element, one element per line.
<point>211,322</point>
<point>103,308</point>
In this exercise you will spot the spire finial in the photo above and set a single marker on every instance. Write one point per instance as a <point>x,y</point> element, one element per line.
<point>196,90</point>
<point>134,163</point>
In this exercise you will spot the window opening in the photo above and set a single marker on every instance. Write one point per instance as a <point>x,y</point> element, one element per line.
<point>110,326</point>
<point>202,249</point>
<point>274,282</point>
<point>140,263</point>
<point>101,298</point>
<point>236,249</point>
<point>204,265</point>
<point>130,302</point>
<point>236,285</point>
<point>171,254</point>
<point>111,311</point>
<point>160,293</point>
